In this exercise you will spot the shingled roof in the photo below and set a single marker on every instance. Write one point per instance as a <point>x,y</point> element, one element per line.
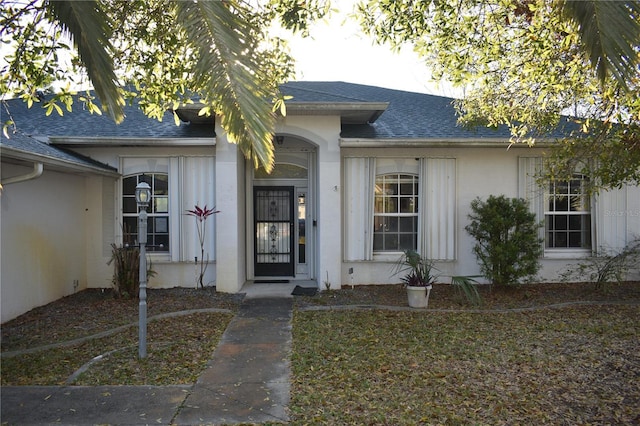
<point>393,115</point>
<point>80,123</point>
<point>409,115</point>
<point>27,148</point>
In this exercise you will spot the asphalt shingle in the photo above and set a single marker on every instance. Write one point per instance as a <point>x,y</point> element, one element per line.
<point>29,145</point>
<point>80,123</point>
<point>408,116</point>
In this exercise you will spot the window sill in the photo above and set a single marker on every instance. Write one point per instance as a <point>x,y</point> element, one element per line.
<point>567,253</point>
<point>387,257</point>
<point>159,257</point>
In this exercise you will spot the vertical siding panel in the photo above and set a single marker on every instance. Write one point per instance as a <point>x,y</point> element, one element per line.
<point>358,205</point>
<point>438,207</point>
<point>611,216</point>
<point>198,189</point>
<point>633,213</point>
<point>108,215</point>
<point>528,188</point>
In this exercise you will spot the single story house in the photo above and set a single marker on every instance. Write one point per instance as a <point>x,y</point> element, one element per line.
<point>361,173</point>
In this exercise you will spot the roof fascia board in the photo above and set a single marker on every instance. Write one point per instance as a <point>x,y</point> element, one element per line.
<point>118,141</point>
<point>373,110</point>
<point>336,106</point>
<point>438,143</point>
<point>51,161</point>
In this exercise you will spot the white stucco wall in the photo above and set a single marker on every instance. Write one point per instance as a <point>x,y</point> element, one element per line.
<point>481,172</point>
<point>43,234</point>
<point>179,269</point>
<point>56,230</point>
<point>231,221</point>
<point>324,132</point>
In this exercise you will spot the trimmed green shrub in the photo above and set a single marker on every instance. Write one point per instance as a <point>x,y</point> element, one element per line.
<point>507,244</point>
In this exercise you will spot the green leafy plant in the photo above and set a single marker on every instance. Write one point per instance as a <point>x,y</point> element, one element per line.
<point>126,273</point>
<point>609,266</point>
<point>468,286</point>
<point>418,271</point>
<point>201,214</point>
<point>507,243</point>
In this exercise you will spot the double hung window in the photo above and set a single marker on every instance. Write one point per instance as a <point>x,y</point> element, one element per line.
<point>158,210</point>
<point>567,215</point>
<point>396,204</point>
<point>395,213</point>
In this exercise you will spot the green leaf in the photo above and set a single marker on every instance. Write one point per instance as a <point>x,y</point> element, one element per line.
<point>231,75</point>
<point>610,36</point>
<point>86,23</point>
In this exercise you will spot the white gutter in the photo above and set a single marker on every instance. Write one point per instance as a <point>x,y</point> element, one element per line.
<point>130,141</point>
<point>439,143</point>
<point>55,162</point>
<point>36,173</point>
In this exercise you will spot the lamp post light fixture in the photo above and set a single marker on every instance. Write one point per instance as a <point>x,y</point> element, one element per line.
<point>143,196</point>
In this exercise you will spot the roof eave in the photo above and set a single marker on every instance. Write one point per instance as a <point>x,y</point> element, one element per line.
<point>130,141</point>
<point>439,143</point>
<point>27,156</point>
<point>349,112</point>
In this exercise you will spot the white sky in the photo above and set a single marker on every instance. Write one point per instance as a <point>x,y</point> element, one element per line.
<point>337,50</point>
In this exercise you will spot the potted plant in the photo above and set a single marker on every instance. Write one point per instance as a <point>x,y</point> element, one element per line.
<point>418,277</point>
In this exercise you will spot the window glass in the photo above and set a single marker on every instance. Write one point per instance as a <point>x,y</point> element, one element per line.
<point>395,213</point>
<point>568,216</point>
<point>158,211</point>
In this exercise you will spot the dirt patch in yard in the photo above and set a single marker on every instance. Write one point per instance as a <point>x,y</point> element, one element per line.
<point>95,310</point>
<point>92,311</point>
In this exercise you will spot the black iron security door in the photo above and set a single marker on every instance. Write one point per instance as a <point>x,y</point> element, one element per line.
<point>274,231</point>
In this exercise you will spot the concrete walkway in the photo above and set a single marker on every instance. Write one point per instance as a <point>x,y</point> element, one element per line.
<point>246,381</point>
<point>248,377</point>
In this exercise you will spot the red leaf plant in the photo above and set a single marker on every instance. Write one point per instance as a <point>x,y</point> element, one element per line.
<point>201,214</point>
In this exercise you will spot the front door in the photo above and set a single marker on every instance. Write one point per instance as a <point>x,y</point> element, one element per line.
<point>274,230</point>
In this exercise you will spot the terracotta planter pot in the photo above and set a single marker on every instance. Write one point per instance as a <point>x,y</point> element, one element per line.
<point>418,296</point>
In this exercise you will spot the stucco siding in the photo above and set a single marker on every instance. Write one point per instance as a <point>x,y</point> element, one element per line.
<point>43,237</point>
<point>481,172</point>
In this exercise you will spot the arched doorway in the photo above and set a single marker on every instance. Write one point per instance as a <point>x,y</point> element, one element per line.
<point>282,206</point>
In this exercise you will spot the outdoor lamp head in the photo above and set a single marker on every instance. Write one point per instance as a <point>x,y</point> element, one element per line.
<point>143,194</point>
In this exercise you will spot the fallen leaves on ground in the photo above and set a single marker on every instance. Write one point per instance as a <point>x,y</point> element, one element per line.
<point>178,349</point>
<point>93,311</point>
<point>447,296</point>
<point>450,364</point>
<point>577,365</point>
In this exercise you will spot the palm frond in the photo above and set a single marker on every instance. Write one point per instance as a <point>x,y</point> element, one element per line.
<point>610,36</point>
<point>229,71</point>
<point>87,24</point>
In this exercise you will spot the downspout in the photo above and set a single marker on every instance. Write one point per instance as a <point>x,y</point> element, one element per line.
<point>36,173</point>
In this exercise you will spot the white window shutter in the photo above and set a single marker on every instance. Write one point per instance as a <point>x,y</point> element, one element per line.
<point>617,218</point>
<point>437,193</point>
<point>198,177</point>
<point>359,178</point>
<point>528,169</point>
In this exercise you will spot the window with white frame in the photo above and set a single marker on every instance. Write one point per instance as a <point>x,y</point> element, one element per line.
<point>158,210</point>
<point>568,215</point>
<point>395,213</point>
<point>178,183</point>
<point>393,204</point>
